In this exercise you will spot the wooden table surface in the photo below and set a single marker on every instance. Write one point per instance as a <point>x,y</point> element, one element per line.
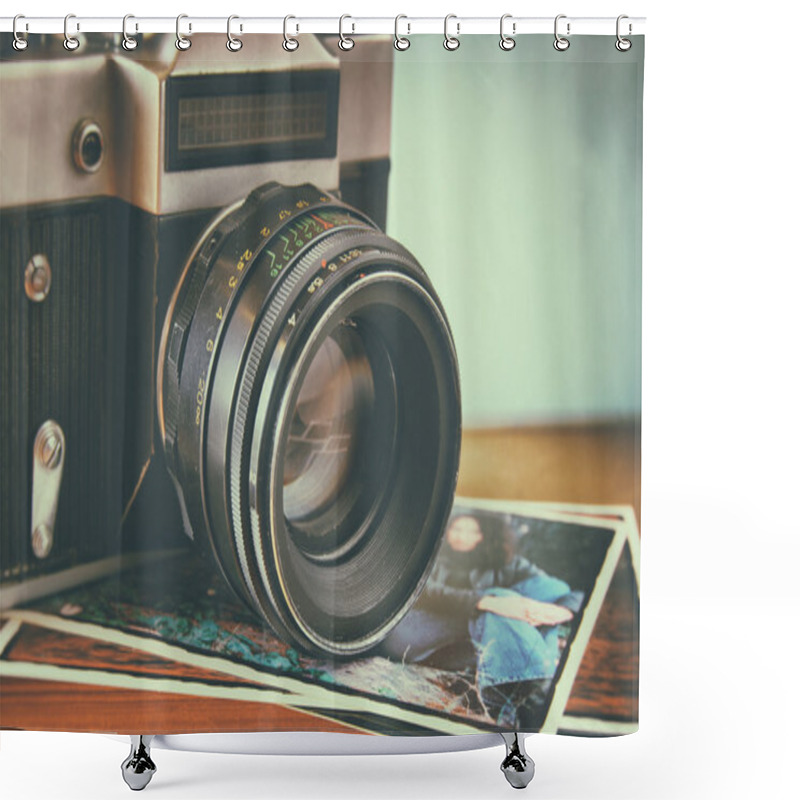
<point>565,463</point>
<point>597,464</point>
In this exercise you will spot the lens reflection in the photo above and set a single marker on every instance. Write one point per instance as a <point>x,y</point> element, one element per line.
<point>328,425</point>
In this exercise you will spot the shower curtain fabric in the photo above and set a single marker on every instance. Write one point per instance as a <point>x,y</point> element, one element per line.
<point>321,386</point>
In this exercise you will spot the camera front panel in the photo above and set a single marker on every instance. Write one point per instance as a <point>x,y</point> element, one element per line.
<point>63,283</point>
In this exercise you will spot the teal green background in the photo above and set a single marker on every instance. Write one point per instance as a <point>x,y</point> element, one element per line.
<point>516,181</point>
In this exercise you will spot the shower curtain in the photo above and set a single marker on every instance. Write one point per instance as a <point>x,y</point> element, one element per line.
<point>320,389</point>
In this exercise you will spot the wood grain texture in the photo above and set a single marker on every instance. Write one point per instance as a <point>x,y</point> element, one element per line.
<point>607,684</point>
<point>40,705</point>
<point>44,646</point>
<point>566,463</point>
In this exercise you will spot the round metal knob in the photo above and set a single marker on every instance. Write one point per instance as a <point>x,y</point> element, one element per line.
<point>51,449</point>
<point>42,541</point>
<point>38,277</point>
<point>88,145</point>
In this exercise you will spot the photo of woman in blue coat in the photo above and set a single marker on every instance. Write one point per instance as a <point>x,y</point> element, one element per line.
<point>488,612</point>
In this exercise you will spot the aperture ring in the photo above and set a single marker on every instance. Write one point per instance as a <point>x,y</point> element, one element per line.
<point>271,204</point>
<point>189,294</point>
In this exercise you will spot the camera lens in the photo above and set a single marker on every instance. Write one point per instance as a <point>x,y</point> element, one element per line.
<point>309,407</point>
<point>92,150</point>
<point>87,146</point>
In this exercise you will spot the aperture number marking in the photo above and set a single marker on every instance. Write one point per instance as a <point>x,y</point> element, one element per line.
<point>315,284</point>
<point>199,397</point>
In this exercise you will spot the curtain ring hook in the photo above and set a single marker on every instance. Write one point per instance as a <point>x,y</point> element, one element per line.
<point>233,44</point>
<point>400,42</point>
<point>451,42</point>
<point>20,43</point>
<point>71,43</point>
<point>507,42</point>
<point>622,44</point>
<point>128,42</point>
<point>290,44</point>
<point>561,43</point>
<point>182,42</point>
<point>345,42</point>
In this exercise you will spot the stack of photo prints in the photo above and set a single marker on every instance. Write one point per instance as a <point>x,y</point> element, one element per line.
<point>518,628</point>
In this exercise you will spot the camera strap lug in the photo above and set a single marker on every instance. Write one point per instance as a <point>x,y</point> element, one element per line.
<point>48,465</point>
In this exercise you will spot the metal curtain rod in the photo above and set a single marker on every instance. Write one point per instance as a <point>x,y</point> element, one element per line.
<point>352,25</point>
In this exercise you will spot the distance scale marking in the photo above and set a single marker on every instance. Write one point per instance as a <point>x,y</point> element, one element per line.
<point>277,243</point>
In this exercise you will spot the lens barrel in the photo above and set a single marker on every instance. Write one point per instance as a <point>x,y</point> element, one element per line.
<point>309,408</point>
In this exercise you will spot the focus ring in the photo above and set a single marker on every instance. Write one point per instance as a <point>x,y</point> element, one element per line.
<point>252,533</point>
<point>243,414</point>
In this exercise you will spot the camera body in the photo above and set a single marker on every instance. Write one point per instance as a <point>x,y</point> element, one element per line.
<point>136,152</point>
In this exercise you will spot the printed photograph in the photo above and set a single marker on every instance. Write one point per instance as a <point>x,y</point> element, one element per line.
<point>483,647</point>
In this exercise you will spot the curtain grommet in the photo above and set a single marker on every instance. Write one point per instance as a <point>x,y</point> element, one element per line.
<point>451,43</point>
<point>346,43</point>
<point>401,43</point>
<point>182,42</point>
<point>71,43</point>
<point>622,44</point>
<point>561,43</point>
<point>233,44</point>
<point>290,44</point>
<point>128,42</point>
<point>19,43</point>
<point>507,42</point>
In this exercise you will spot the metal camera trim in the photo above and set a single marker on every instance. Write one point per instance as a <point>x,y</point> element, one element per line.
<point>83,130</point>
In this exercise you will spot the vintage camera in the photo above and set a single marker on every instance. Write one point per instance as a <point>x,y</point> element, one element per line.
<point>205,330</point>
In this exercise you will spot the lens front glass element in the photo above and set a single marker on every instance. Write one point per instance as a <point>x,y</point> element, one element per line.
<point>330,423</point>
